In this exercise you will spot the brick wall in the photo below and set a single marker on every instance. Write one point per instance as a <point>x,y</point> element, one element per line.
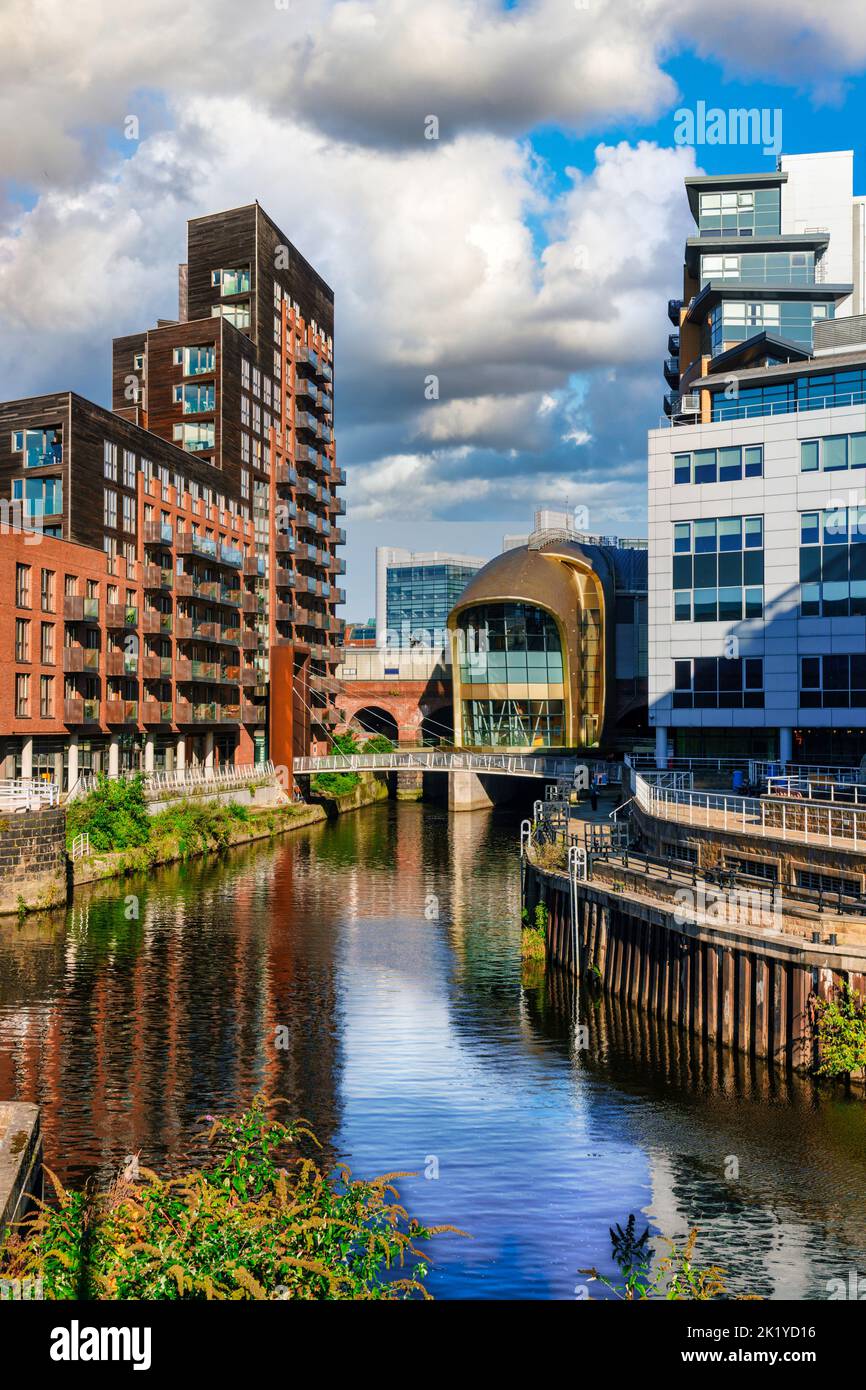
<point>33,859</point>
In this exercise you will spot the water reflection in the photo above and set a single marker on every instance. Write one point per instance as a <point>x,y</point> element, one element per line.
<point>385,949</point>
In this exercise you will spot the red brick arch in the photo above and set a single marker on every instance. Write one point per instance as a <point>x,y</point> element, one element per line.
<point>408,702</point>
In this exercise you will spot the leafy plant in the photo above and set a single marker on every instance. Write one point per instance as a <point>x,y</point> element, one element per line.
<point>379,743</point>
<point>676,1277</point>
<point>840,1026</point>
<point>335,783</point>
<point>261,1222</point>
<point>541,917</point>
<point>114,814</point>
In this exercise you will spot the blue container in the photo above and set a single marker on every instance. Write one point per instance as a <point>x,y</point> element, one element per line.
<point>739,779</point>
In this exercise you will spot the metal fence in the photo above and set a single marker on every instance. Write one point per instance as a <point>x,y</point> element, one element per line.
<point>25,794</point>
<point>432,760</point>
<point>186,779</point>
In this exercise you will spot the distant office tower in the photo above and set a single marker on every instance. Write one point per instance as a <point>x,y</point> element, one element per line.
<point>415,592</point>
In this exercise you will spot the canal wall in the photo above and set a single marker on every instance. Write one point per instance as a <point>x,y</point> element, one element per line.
<point>744,988</point>
<point>33,873</point>
<point>371,788</point>
<point>20,1160</point>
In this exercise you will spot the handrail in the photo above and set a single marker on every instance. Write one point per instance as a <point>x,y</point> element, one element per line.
<point>432,760</point>
<point>27,793</point>
<point>180,779</point>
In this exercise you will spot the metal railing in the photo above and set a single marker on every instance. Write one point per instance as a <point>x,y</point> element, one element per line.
<point>769,817</point>
<point>432,760</point>
<point>823,789</point>
<point>27,794</point>
<point>185,779</point>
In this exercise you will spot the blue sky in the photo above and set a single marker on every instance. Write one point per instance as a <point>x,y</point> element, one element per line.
<point>524,259</point>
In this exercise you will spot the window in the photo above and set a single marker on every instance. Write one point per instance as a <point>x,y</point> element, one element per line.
<point>22,586</point>
<point>46,697</point>
<point>129,469</point>
<point>138,361</point>
<point>245,482</point>
<point>47,644</point>
<point>718,569</point>
<point>22,639</point>
<point>719,682</point>
<point>832,453</point>
<point>195,399</point>
<point>728,465</point>
<point>833,682</point>
<point>245,448</point>
<point>237,314</point>
<point>230,282</point>
<point>245,411</point>
<point>22,696</point>
<point>195,437</point>
<point>245,373</point>
<point>197,360</point>
<point>109,461</point>
<point>109,508</point>
<point>128,513</point>
<point>41,448</point>
<point>833,563</point>
<point>257,382</point>
<point>47,591</point>
<point>40,496</point>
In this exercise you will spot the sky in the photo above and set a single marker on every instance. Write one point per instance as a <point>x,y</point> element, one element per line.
<point>494,191</point>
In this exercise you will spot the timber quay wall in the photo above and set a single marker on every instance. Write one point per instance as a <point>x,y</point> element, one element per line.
<point>749,989</point>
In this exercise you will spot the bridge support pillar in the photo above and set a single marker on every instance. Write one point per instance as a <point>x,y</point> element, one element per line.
<point>466,792</point>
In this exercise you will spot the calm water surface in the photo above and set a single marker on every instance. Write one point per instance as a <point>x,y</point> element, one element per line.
<point>387,946</point>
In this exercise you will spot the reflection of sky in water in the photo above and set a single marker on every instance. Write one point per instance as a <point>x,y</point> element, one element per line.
<point>411,1038</point>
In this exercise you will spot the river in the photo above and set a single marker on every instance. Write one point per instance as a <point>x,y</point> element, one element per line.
<point>369,971</point>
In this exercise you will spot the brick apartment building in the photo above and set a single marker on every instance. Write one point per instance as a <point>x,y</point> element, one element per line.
<point>168,567</point>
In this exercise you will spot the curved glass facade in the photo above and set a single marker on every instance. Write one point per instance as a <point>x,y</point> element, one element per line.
<point>511,676</point>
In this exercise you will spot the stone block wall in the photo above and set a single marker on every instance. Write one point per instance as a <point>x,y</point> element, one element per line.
<point>33,859</point>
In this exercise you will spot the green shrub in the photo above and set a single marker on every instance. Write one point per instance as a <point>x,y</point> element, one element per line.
<point>260,1223</point>
<point>114,815</point>
<point>841,1030</point>
<point>378,744</point>
<point>334,783</point>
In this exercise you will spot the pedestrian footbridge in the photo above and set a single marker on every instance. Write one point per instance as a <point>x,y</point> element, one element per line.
<point>434,760</point>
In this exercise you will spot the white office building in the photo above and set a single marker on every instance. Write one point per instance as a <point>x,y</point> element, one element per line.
<point>757,509</point>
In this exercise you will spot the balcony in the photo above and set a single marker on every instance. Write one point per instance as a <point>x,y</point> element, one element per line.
<point>230,636</point>
<point>249,602</point>
<point>121,615</point>
<point>249,640</point>
<point>77,609</point>
<point>339,476</point>
<point>152,621</point>
<point>305,389</point>
<point>305,453</point>
<point>182,668</point>
<point>247,676</point>
<point>255,566</point>
<point>229,675</point>
<point>228,714</point>
<point>253,714</point>
<point>158,533</point>
<point>81,659</point>
<point>674,344</point>
<point>153,667</point>
<point>326,402</point>
<point>205,671</point>
<point>674,306</point>
<point>155,577</point>
<point>80,711</point>
<point>157,712</point>
<point>121,664</point>
<point>324,371</point>
<point>230,556</point>
<point>309,356</point>
<point>285,542</point>
<point>183,627</point>
<point>204,714</point>
<point>305,421</point>
<point>672,371</point>
<point>284,612</point>
<point>230,597</point>
<point>187,543</point>
<point>337,566</point>
<point>284,578</point>
<point>182,712</point>
<point>286,474</point>
<point>206,632</point>
<point>121,711</point>
<point>338,506</point>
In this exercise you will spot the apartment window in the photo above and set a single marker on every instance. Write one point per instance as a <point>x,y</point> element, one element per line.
<point>129,469</point>
<point>22,639</point>
<point>245,373</point>
<point>245,448</point>
<point>40,448</point>
<point>109,508</point>
<point>728,465</point>
<point>195,437</point>
<point>245,411</point>
<point>744,212</point>
<point>230,282</point>
<point>833,453</point>
<point>47,591</point>
<point>830,884</point>
<point>237,314</point>
<point>109,460</point>
<point>718,569</point>
<point>138,361</point>
<point>47,644</point>
<point>833,563</point>
<point>245,483</point>
<point>278,329</point>
<point>718,682</point>
<point>22,586</point>
<point>128,513</point>
<point>833,682</point>
<point>70,585</point>
<point>46,697</point>
<point>195,400</point>
<point>278,365</point>
<point>197,359</point>
<point>266,391</point>
<point>40,496</point>
<point>257,418</point>
<point>22,696</point>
